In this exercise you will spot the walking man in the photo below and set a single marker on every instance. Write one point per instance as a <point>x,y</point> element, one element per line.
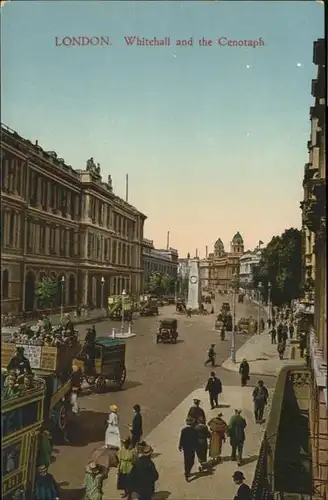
<point>236,433</point>
<point>273,336</point>
<point>211,354</point>
<point>214,388</point>
<point>196,413</point>
<point>243,492</point>
<point>188,445</point>
<point>136,427</point>
<point>260,399</point>
<point>244,372</point>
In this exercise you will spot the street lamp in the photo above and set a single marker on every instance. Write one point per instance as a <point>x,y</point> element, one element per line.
<point>122,323</point>
<point>269,298</point>
<point>62,283</point>
<point>259,307</point>
<point>102,291</point>
<point>233,337</point>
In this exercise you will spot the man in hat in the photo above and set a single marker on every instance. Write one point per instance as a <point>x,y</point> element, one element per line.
<point>236,433</point>
<point>260,399</point>
<point>188,445</point>
<point>45,485</point>
<point>214,388</point>
<point>243,492</point>
<point>45,448</point>
<point>211,354</point>
<point>144,475</point>
<point>93,482</point>
<point>244,372</point>
<point>11,387</point>
<point>197,413</point>
<point>19,363</point>
<point>136,427</point>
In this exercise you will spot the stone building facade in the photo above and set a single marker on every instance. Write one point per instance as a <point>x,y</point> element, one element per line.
<point>247,264</point>
<point>224,266</point>
<point>158,261</point>
<point>204,274</point>
<point>315,271</point>
<point>64,223</point>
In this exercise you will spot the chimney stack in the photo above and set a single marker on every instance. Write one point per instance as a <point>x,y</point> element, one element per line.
<point>206,251</point>
<point>127,188</point>
<point>168,240</point>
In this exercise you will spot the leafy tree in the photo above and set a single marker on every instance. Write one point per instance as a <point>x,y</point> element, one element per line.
<point>281,265</point>
<point>46,291</point>
<point>160,284</point>
<point>183,285</point>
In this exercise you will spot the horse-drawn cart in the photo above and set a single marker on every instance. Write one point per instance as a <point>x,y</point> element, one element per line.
<point>106,366</point>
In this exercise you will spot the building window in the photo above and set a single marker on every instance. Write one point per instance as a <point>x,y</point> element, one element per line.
<point>90,245</point>
<point>11,228</point>
<point>5,284</point>
<point>114,252</point>
<point>42,238</point>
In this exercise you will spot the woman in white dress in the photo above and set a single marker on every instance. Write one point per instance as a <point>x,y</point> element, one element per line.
<point>112,436</point>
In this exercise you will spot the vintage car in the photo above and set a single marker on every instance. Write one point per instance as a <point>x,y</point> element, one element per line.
<point>167,331</point>
<point>107,365</point>
<point>208,299</point>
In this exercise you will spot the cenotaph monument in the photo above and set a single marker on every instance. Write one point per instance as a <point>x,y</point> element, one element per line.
<point>194,285</point>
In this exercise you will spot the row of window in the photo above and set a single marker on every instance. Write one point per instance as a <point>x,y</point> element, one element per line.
<point>153,267</point>
<point>111,251</point>
<point>52,197</point>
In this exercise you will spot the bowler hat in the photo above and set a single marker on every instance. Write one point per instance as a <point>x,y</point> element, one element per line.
<point>146,451</point>
<point>238,475</point>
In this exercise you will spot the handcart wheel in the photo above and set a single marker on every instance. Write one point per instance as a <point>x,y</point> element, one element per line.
<point>100,383</point>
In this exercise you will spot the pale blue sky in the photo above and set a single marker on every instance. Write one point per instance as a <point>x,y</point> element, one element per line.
<point>211,146</point>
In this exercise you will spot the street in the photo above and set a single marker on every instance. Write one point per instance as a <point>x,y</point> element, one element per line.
<point>159,377</point>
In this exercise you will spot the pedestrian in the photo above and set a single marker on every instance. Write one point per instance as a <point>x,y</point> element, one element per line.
<point>269,323</point>
<point>76,380</point>
<point>302,343</point>
<point>281,349</point>
<point>211,354</point>
<point>188,445</point>
<point>112,436</point>
<point>45,448</point>
<point>262,324</point>
<point>260,399</point>
<point>11,388</point>
<point>273,322</point>
<point>244,372</point>
<point>144,475</point>
<point>214,388</point>
<point>189,311</point>
<point>45,486</point>
<point>136,427</point>
<point>273,336</point>
<point>243,492</point>
<point>93,482</point>
<point>219,429</point>
<point>203,434</point>
<point>291,330</point>
<point>196,412</point>
<point>279,332</point>
<point>236,433</point>
<point>284,333</point>
<point>127,456</point>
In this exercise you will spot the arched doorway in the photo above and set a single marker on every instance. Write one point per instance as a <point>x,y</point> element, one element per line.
<point>29,292</point>
<point>5,284</point>
<point>71,290</point>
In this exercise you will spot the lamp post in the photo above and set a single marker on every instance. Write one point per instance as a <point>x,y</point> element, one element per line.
<point>233,336</point>
<point>62,283</point>
<point>259,307</point>
<point>102,281</point>
<point>122,322</point>
<point>269,298</point>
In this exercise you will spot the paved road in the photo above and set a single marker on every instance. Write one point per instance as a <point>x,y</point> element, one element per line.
<point>159,377</point>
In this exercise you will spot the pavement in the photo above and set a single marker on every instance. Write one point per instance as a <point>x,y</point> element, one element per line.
<point>164,439</point>
<point>159,377</point>
<point>262,356</point>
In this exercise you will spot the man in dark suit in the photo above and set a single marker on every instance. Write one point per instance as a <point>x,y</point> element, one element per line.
<point>136,427</point>
<point>214,388</point>
<point>188,445</point>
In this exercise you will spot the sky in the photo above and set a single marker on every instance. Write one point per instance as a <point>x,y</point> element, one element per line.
<point>213,138</point>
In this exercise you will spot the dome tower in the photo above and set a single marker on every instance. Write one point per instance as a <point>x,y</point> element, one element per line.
<point>218,248</point>
<point>237,244</point>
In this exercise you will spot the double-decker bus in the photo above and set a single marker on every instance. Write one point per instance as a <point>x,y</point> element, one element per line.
<point>21,422</point>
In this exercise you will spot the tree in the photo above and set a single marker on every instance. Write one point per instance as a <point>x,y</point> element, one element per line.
<point>281,265</point>
<point>46,291</point>
<point>183,285</point>
<point>160,284</point>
